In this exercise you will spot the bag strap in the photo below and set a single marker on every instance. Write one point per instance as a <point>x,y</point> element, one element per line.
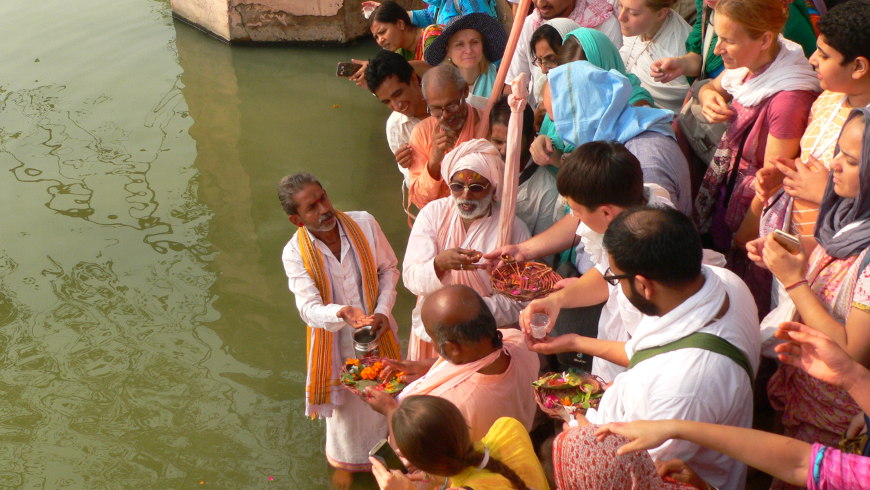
<point>732,176</point>
<point>707,39</point>
<point>698,340</point>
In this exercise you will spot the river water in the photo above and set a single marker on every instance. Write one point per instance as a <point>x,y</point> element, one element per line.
<point>147,336</point>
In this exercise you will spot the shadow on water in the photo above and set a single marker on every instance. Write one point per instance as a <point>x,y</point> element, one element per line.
<point>147,337</point>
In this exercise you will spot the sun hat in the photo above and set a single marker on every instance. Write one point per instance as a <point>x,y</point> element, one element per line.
<point>494,37</point>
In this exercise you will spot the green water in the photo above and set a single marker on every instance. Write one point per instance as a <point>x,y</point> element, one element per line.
<point>147,336</point>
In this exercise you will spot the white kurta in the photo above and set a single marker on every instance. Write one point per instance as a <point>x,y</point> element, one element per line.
<point>638,56</point>
<point>692,384</point>
<point>399,127</point>
<point>418,270</point>
<point>353,428</point>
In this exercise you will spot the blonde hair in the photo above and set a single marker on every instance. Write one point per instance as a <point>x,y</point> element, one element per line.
<point>756,16</point>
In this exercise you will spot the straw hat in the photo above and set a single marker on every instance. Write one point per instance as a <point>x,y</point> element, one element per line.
<point>494,37</point>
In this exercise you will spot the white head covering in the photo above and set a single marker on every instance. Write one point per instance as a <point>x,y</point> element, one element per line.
<point>479,156</point>
<point>563,25</point>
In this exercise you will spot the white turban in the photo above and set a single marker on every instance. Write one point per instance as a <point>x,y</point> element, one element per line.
<point>479,156</point>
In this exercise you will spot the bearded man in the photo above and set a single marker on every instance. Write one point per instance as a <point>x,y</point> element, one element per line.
<point>450,233</point>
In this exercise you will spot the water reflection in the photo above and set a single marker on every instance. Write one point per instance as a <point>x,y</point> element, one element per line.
<point>147,338</point>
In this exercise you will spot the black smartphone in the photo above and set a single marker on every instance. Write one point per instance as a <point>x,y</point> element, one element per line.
<point>383,452</point>
<point>346,69</point>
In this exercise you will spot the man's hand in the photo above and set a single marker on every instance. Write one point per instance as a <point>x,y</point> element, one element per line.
<point>714,107</point>
<point>442,141</point>
<point>354,316</point>
<point>788,268</point>
<point>666,69</point>
<point>380,401</point>
<point>404,156</point>
<point>457,259</point>
<point>412,369</point>
<point>380,323</point>
<point>817,354</point>
<point>359,78</point>
<point>553,345</point>
<point>495,257</point>
<point>678,470</point>
<point>542,150</point>
<point>550,305</point>
<point>804,180</point>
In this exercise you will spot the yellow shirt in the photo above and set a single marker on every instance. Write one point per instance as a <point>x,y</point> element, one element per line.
<point>508,442</point>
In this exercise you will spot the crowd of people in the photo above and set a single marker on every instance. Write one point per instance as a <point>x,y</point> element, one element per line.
<point>686,268</point>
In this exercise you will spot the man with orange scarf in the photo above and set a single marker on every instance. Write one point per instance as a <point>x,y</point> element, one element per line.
<point>343,273</point>
<point>451,233</point>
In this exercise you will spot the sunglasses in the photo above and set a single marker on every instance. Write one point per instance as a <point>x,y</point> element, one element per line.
<point>472,188</point>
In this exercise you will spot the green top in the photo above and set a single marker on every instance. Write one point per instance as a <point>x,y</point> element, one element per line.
<point>798,28</point>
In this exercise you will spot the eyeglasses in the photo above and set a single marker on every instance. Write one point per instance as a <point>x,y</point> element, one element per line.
<point>472,188</point>
<point>548,62</point>
<point>613,279</point>
<point>449,109</point>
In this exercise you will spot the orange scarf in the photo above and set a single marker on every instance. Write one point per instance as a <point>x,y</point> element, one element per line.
<point>320,344</point>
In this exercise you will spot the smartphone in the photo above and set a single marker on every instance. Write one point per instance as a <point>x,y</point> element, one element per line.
<point>789,242</point>
<point>383,452</point>
<point>346,69</point>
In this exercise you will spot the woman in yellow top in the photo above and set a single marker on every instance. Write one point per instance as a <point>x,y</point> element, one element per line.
<point>433,436</point>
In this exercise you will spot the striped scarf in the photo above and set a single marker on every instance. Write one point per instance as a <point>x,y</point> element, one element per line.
<point>320,344</point>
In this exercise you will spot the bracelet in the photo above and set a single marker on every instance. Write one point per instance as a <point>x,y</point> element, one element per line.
<point>802,281</point>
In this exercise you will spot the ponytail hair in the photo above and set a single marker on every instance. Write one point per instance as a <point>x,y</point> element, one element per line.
<point>475,457</point>
<point>433,435</point>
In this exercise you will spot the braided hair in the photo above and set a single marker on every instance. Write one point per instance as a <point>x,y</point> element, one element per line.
<point>433,435</point>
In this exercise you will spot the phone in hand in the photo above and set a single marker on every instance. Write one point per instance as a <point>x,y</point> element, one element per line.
<point>383,452</point>
<point>346,69</point>
<point>789,242</point>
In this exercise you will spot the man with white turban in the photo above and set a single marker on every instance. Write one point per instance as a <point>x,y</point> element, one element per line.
<point>451,233</point>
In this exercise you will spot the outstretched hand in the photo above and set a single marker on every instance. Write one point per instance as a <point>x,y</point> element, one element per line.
<point>816,353</point>
<point>642,434</point>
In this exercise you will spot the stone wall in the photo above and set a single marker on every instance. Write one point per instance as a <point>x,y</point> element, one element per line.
<point>331,21</point>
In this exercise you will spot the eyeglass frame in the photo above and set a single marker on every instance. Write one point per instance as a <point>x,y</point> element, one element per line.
<point>540,63</point>
<point>468,187</point>
<point>613,279</point>
<point>449,109</point>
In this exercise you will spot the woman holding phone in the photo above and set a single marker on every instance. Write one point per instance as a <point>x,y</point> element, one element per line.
<point>432,435</point>
<point>830,290</point>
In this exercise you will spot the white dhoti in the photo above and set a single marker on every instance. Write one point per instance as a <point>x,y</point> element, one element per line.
<point>351,432</point>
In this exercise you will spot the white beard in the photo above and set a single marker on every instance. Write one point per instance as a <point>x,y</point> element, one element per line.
<point>481,207</point>
<point>325,228</point>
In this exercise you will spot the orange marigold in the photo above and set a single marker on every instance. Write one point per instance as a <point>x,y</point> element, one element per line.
<point>368,373</point>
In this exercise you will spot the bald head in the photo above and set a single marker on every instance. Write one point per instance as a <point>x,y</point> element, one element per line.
<point>442,78</point>
<point>458,314</point>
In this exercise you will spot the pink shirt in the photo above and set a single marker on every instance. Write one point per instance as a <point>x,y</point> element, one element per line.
<point>484,398</point>
<point>837,470</point>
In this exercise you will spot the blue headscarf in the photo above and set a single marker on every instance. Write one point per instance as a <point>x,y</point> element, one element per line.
<point>590,104</point>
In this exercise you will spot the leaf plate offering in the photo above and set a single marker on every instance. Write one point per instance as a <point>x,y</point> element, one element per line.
<point>359,374</point>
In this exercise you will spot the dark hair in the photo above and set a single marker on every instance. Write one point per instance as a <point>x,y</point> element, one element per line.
<point>501,114</point>
<point>390,12</point>
<point>433,435</point>
<point>846,28</point>
<point>289,186</point>
<point>659,243</point>
<point>601,172</point>
<point>482,326</point>
<point>386,64</point>
<point>547,33</point>
<point>571,50</point>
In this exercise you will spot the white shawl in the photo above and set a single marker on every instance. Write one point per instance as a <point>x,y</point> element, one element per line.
<point>790,70</point>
